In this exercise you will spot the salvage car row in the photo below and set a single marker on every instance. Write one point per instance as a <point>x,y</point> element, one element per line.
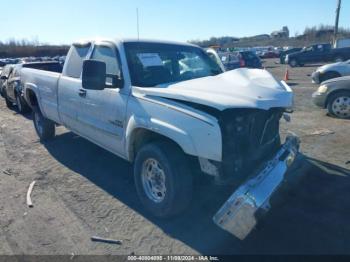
<point>174,112</point>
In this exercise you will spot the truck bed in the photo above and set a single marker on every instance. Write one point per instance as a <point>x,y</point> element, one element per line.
<point>44,84</point>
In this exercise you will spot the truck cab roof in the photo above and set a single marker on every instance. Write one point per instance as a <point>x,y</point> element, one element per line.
<point>118,41</point>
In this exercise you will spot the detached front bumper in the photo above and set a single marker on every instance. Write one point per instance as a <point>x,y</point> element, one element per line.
<point>238,214</point>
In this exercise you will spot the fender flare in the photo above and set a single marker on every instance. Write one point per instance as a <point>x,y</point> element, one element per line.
<point>31,88</point>
<point>175,134</point>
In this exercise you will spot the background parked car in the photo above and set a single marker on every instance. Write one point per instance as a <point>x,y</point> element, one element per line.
<point>231,60</point>
<point>6,70</point>
<point>269,54</point>
<point>13,87</point>
<point>238,59</point>
<point>318,53</point>
<point>283,54</point>
<point>249,59</point>
<point>330,71</point>
<point>334,95</point>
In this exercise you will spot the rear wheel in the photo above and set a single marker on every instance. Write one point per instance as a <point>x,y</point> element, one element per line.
<point>163,179</point>
<point>44,127</point>
<point>339,105</point>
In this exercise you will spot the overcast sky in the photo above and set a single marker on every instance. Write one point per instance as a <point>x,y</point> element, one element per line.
<point>64,21</point>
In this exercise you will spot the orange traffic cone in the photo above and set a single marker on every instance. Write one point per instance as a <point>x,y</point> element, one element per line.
<point>286,75</point>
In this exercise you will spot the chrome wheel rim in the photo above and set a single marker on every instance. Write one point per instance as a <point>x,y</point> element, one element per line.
<point>153,180</point>
<point>38,123</point>
<point>19,105</point>
<point>341,106</point>
<point>293,63</point>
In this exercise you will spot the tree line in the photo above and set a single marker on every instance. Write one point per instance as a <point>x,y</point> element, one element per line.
<point>311,35</point>
<point>25,48</point>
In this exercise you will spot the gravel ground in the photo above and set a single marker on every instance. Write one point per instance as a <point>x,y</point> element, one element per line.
<point>82,190</point>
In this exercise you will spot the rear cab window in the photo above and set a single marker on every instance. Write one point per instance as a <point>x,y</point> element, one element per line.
<point>109,56</point>
<point>74,63</point>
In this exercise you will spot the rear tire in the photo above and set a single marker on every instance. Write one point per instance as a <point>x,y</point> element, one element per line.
<point>44,127</point>
<point>162,178</point>
<point>339,105</point>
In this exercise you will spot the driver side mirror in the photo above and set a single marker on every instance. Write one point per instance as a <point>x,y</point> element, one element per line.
<point>94,75</point>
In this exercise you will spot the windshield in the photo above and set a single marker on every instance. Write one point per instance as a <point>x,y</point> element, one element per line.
<point>152,64</point>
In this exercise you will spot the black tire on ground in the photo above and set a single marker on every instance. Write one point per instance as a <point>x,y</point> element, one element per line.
<point>44,127</point>
<point>329,75</point>
<point>22,105</point>
<point>333,104</point>
<point>9,104</point>
<point>178,179</point>
<point>293,63</point>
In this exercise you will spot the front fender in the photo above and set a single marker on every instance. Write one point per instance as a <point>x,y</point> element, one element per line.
<point>194,136</point>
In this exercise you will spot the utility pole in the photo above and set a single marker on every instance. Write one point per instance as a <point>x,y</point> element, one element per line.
<point>137,22</point>
<point>336,22</point>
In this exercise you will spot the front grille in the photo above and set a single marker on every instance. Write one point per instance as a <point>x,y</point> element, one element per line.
<point>249,137</point>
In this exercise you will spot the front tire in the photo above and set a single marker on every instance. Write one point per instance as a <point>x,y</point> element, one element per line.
<point>163,180</point>
<point>44,127</point>
<point>339,105</point>
<point>293,63</point>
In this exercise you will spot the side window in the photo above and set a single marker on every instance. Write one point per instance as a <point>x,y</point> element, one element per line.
<point>107,55</point>
<point>77,54</point>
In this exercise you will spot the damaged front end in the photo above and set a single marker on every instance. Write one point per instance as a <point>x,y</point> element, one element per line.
<point>249,137</point>
<point>238,215</point>
<point>254,161</point>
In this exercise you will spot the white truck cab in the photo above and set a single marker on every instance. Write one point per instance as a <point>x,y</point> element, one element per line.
<point>170,109</point>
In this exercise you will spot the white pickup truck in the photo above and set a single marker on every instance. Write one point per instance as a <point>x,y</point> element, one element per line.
<point>171,110</point>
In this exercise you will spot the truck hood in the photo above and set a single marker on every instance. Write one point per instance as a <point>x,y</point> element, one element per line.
<point>240,88</point>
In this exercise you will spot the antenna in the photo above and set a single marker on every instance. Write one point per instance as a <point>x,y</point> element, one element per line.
<point>336,22</point>
<point>137,23</point>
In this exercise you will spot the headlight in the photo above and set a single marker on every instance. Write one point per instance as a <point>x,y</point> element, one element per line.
<point>322,89</point>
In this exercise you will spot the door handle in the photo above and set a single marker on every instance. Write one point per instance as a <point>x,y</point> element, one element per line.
<point>82,92</point>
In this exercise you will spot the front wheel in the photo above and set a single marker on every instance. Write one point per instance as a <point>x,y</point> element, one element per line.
<point>339,105</point>
<point>162,178</point>
<point>44,127</point>
<point>293,63</point>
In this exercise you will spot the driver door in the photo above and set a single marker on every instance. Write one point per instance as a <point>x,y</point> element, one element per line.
<point>102,112</point>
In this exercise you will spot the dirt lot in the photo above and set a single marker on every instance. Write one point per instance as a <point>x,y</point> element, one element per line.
<point>82,190</point>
